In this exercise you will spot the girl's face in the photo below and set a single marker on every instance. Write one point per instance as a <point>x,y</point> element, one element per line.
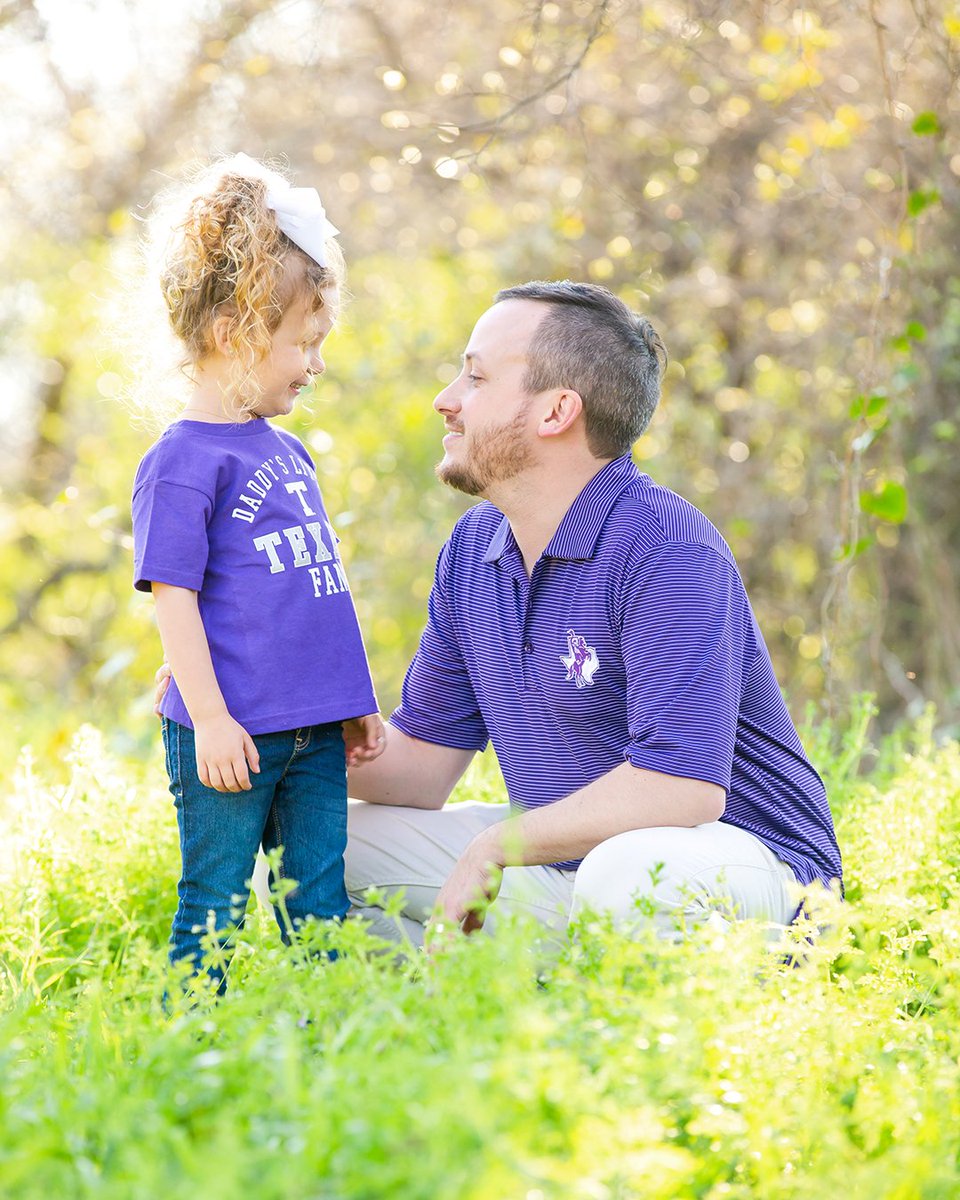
<point>295,354</point>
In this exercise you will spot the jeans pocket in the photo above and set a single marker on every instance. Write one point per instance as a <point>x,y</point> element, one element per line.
<point>171,747</point>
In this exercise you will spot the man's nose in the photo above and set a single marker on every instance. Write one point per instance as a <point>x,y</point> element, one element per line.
<point>447,400</point>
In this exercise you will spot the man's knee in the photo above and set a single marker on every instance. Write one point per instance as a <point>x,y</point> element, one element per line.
<point>668,872</point>
<point>618,874</point>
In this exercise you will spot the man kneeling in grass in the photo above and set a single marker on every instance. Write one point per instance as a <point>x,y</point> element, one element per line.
<point>592,625</point>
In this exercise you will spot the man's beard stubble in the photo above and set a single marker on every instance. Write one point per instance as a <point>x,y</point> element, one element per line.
<point>500,455</point>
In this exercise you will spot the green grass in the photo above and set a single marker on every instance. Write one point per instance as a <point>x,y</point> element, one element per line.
<point>632,1069</point>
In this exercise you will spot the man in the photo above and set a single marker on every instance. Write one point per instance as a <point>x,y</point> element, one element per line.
<point>594,627</point>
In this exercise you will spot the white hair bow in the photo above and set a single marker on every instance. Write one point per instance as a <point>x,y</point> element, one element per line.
<point>300,212</point>
<point>301,216</point>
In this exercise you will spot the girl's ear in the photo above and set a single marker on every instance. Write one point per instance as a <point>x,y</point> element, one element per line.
<point>220,335</point>
<point>563,408</point>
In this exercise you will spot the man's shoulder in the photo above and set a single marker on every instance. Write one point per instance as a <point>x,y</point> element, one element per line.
<point>476,527</point>
<point>464,552</point>
<point>648,516</point>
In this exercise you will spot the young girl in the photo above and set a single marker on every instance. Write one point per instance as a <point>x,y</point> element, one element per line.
<point>271,692</point>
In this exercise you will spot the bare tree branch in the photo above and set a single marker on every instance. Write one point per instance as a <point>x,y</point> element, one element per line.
<point>551,85</point>
<point>28,603</point>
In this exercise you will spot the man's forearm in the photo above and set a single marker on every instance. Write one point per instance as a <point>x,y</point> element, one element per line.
<point>409,772</point>
<point>625,798</point>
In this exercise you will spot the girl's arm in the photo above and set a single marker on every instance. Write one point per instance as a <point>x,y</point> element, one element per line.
<point>224,748</point>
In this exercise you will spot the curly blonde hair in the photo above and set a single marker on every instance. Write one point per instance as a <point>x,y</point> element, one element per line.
<point>226,256</point>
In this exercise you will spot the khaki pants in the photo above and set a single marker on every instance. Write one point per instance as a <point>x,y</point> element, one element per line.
<point>687,873</point>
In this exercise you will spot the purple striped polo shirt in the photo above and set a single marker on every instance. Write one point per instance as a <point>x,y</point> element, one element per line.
<point>633,640</point>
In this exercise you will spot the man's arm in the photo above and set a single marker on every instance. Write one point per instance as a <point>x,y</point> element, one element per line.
<point>625,798</point>
<point>409,772</point>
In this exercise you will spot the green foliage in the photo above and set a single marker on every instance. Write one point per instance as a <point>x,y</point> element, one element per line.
<point>888,502</point>
<point>625,1069</point>
<point>922,199</point>
<point>926,124</point>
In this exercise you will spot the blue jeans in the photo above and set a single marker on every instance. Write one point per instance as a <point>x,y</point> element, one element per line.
<point>298,801</point>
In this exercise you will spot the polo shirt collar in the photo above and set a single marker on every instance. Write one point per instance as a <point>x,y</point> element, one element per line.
<point>577,534</point>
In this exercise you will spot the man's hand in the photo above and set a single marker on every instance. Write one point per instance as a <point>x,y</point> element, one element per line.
<point>162,680</point>
<point>364,739</point>
<point>473,885</point>
<point>224,749</point>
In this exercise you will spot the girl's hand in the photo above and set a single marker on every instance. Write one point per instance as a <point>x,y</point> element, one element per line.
<point>364,739</point>
<point>224,750</point>
<point>162,680</point>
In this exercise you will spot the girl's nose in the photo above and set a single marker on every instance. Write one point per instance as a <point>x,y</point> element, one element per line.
<point>315,363</point>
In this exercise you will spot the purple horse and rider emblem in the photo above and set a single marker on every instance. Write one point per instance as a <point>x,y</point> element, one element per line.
<point>581,661</point>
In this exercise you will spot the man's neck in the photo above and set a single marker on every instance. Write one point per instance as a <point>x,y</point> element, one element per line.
<point>537,500</point>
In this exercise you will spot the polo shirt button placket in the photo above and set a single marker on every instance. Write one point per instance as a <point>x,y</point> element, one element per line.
<point>527,664</point>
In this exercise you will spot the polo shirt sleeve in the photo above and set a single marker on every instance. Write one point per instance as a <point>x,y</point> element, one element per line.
<point>688,639</point>
<point>438,703</point>
<point>170,542</point>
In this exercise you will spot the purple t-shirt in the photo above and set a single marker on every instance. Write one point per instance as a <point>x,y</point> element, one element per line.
<point>234,513</point>
<point>633,640</point>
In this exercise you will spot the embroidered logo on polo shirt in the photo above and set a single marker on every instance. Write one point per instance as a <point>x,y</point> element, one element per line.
<point>582,662</point>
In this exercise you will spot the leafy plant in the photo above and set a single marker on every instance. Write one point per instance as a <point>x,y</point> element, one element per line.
<point>619,1067</point>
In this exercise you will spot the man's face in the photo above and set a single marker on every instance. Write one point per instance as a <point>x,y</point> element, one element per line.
<point>491,433</point>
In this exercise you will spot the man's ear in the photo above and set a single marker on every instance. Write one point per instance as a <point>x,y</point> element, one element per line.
<point>561,412</point>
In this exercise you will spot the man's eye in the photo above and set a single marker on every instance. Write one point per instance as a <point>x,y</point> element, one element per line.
<point>474,378</point>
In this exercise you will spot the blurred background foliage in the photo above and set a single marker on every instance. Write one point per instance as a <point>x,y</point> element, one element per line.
<point>775,185</point>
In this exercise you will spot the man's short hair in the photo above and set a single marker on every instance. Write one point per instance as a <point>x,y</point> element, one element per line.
<point>592,343</point>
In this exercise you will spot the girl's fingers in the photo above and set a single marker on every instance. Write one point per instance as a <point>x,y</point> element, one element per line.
<point>252,753</point>
<point>162,681</point>
<point>222,777</point>
<point>233,772</point>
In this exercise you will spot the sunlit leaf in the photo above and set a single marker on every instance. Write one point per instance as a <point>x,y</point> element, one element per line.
<point>918,201</point>
<point>926,124</point>
<point>875,405</point>
<point>888,503</point>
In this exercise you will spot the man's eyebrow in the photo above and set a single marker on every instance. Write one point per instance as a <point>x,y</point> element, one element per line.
<point>468,354</point>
